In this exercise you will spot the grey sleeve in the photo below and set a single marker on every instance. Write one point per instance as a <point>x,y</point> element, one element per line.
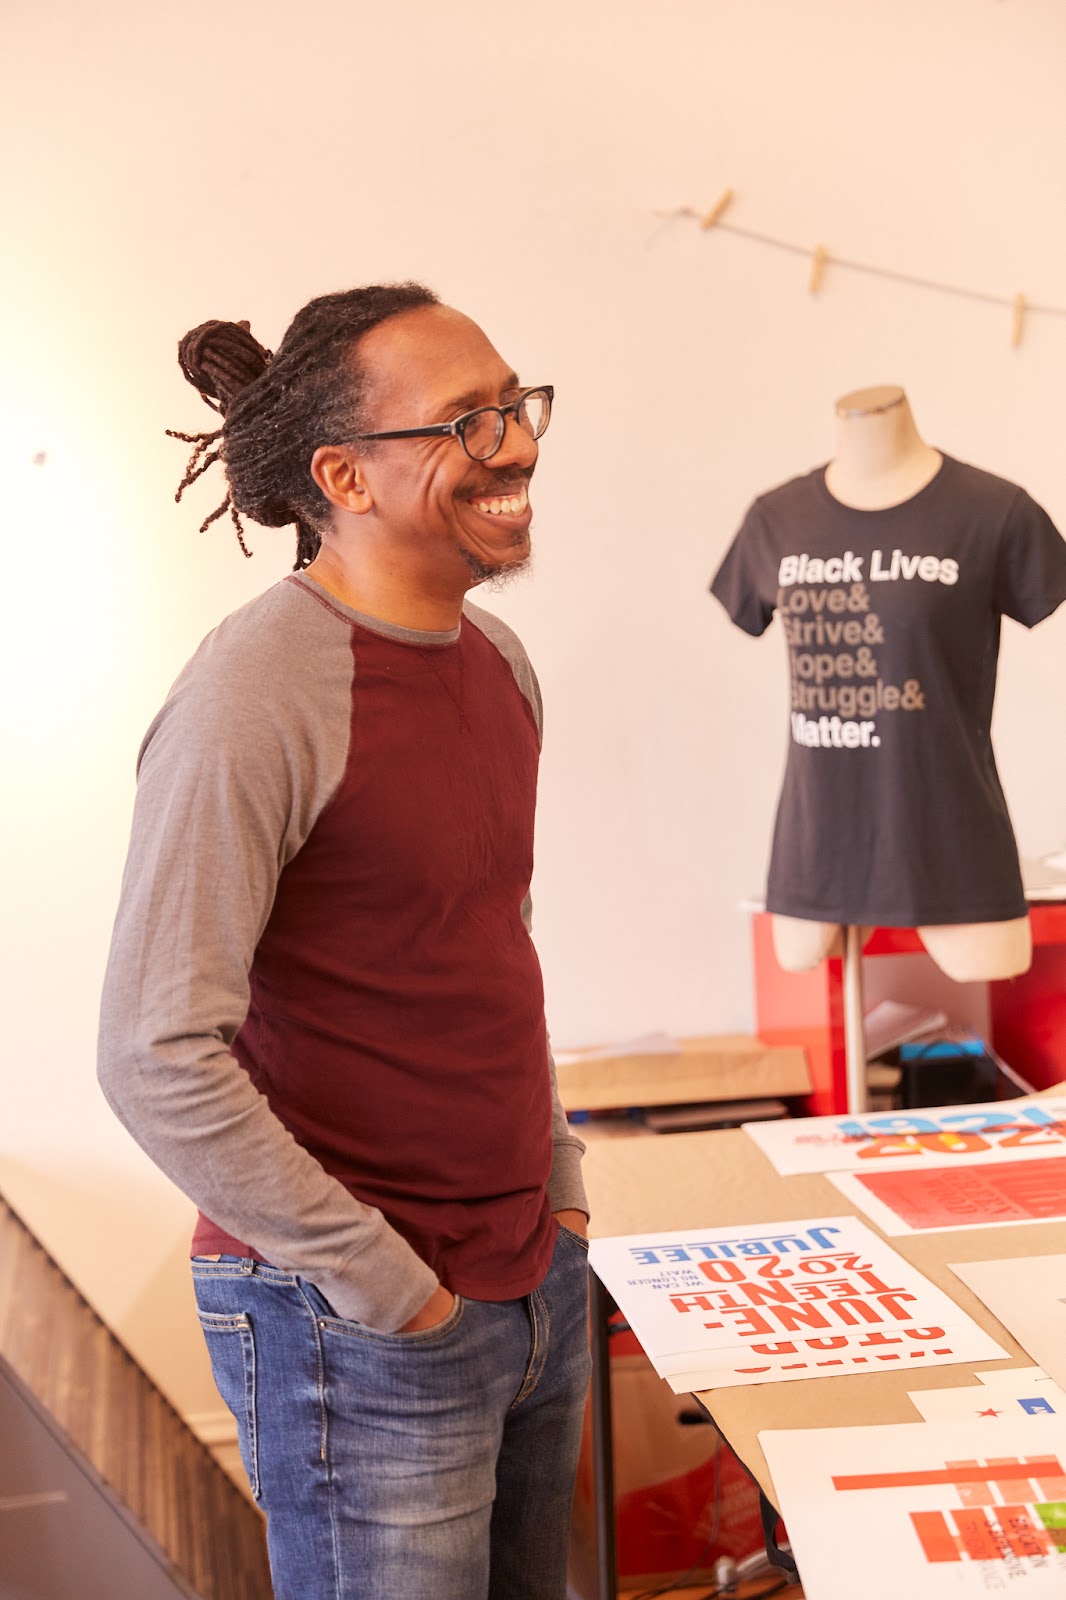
<point>233,773</point>
<point>566,1189</point>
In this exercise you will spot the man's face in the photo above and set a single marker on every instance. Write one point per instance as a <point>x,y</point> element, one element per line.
<point>431,365</point>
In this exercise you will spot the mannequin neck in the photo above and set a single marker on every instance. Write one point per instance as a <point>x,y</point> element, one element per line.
<point>881,459</point>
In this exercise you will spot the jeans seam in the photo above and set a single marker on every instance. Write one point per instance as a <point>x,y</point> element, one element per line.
<point>547,1337</point>
<point>532,1376</point>
<point>250,1405</point>
<point>323,1411</point>
<point>240,1323</point>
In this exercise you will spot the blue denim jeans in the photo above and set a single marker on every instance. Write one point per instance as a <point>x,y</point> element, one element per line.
<point>436,1465</point>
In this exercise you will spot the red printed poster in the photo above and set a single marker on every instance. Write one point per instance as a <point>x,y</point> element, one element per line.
<point>937,1198</point>
<point>778,1301</point>
<point>1025,1129</point>
<point>926,1510</point>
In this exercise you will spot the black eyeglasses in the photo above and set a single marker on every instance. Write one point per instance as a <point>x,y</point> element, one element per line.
<point>481,432</point>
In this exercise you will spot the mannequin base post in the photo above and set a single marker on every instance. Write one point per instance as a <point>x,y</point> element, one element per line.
<point>854,1032</point>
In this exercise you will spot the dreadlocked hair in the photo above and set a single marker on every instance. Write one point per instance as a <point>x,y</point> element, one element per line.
<point>278,409</point>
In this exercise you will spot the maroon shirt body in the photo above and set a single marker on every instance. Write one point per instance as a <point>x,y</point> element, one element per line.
<point>327,900</point>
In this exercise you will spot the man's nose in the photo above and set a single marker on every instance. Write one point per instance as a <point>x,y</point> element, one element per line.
<point>517,448</point>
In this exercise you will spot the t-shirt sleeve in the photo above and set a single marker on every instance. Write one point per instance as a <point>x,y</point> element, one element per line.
<point>232,776</point>
<point>566,1189</point>
<point>745,581</point>
<point>1031,563</point>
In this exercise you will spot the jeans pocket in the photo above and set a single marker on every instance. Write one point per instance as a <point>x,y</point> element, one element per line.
<point>231,1346</point>
<point>329,1322</point>
<point>569,1233</point>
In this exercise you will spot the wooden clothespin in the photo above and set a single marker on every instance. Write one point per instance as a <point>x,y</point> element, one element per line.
<point>1017,321</point>
<point>819,257</point>
<point>717,211</point>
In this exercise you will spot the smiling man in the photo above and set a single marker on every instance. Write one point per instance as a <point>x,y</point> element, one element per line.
<point>323,1014</point>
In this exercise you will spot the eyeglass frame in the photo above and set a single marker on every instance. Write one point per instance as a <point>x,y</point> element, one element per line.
<point>456,429</point>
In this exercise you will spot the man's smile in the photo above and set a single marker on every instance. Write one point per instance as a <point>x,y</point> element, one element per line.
<point>515,504</point>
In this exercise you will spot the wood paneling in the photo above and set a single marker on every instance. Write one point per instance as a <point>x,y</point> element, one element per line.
<point>85,1390</point>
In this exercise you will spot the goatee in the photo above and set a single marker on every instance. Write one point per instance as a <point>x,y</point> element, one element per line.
<point>497,576</point>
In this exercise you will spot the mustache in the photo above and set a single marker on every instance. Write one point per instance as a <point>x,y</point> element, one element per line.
<point>503,483</point>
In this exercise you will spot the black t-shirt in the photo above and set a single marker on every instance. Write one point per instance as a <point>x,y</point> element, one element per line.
<point>891,810</point>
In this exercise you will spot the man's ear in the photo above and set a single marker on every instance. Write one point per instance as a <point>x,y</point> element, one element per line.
<point>341,478</point>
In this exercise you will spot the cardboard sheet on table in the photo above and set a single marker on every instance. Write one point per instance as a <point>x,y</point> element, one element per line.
<point>1032,1127</point>
<point>1028,1295</point>
<point>711,1179</point>
<point>951,1522</point>
<point>997,1195</point>
<point>725,1067</point>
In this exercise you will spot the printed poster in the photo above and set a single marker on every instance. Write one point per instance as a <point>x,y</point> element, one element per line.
<point>930,1510</point>
<point>930,1200</point>
<point>780,1301</point>
<point>1005,1130</point>
<point>1028,1295</point>
<point>989,1403</point>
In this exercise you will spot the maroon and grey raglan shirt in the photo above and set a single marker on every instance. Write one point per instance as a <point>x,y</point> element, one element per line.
<point>323,1014</point>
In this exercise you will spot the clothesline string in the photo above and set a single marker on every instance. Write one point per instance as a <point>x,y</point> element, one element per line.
<point>1031,306</point>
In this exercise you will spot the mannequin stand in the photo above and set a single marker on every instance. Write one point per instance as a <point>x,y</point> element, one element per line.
<point>854,1033</point>
<point>1027,1014</point>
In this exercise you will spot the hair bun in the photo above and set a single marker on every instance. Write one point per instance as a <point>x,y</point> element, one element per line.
<point>220,359</point>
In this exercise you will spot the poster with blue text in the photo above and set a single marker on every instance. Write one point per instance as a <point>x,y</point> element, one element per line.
<point>1028,1128</point>
<point>779,1301</point>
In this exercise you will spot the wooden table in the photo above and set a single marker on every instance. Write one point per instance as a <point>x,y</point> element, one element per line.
<point>710,1180</point>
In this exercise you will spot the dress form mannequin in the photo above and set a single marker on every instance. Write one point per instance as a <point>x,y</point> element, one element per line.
<point>881,461</point>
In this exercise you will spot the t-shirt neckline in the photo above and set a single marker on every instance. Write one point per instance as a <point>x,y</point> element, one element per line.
<point>920,495</point>
<point>420,638</point>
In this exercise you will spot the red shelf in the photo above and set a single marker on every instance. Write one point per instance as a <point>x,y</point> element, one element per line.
<point>807,1008</point>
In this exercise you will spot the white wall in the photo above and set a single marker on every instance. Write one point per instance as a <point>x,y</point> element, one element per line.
<point>232,159</point>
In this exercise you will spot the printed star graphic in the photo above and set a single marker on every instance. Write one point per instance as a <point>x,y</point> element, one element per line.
<point>990,1413</point>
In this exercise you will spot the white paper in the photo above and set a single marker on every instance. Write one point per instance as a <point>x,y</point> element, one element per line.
<point>1003,1130</point>
<point>893,1022</point>
<point>787,1361</point>
<point>1030,1377</point>
<point>999,1194</point>
<point>1044,879</point>
<point>957,1346</point>
<point>779,1301</point>
<point>980,1402</point>
<point>1028,1295</point>
<point>874,1512</point>
<point>649,1044</point>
